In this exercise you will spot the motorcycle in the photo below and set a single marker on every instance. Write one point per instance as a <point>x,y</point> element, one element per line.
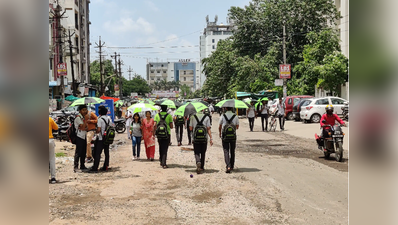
<point>345,111</point>
<point>120,125</point>
<point>61,134</point>
<point>332,143</point>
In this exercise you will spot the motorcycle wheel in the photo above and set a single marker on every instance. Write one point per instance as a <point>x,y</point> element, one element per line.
<point>339,152</point>
<point>120,128</point>
<point>327,155</point>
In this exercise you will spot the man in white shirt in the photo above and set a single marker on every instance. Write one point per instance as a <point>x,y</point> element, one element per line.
<point>103,122</point>
<point>81,143</point>
<point>128,123</point>
<point>281,114</point>
<point>200,147</point>
<point>228,145</point>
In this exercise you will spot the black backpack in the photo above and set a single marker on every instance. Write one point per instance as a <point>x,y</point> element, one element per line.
<point>109,134</point>
<point>200,132</point>
<point>161,130</point>
<point>229,131</point>
<point>72,132</point>
<point>180,120</point>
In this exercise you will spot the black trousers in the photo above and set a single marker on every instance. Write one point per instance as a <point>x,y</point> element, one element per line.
<point>282,122</point>
<point>80,153</point>
<point>163,148</point>
<point>251,123</point>
<point>229,153</point>
<point>264,117</point>
<point>99,146</point>
<point>189,134</point>
<point>200,153</point>
<point>179,132</point>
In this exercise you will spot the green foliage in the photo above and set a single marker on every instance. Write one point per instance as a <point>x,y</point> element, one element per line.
<point>137,84</point>
<point>185,91</point>
<point>249,60</point>
<point>95,78</point>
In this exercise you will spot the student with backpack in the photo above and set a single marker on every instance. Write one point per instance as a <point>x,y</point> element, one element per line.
<point>179,122</point>
<point>201,129</point>
<point>80,125</point>
<point>228,125</point>
<point>106,134</point>
<point>163,124</point>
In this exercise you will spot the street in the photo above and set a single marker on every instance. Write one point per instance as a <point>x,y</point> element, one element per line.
<point>279,178</point>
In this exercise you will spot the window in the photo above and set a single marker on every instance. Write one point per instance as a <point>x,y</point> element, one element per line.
<point>76,21</point>
<point>212,41</point>
<point>164,71</point>
<point>158,71</point>
<point>305,103</point>
<point>162,65</point>
<point>324,101</point>
<point>289,101</point>
<point>296,100</point>
<point>185,72</point>
<point>336,101</point>
<point>152,78</point>
<point>214,47</point>
<point>185,79</point>
<point>151,65</point>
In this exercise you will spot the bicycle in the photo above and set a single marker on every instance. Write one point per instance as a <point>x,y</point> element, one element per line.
<point>272,123</point>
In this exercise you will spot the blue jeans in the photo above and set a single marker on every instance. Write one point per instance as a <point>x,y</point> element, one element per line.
<point>136,142</point>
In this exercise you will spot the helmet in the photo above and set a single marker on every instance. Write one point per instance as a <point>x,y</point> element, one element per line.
<point>329,108</point>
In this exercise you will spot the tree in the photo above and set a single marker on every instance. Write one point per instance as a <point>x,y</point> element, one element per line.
<point>249,60</point>
<point>95,78</point>
<point>136,85</point>
<point>185,91</point>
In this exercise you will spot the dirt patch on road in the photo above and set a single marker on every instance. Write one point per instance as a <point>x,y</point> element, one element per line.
<point>291,146</point>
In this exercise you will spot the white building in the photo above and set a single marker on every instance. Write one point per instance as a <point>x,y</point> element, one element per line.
<point>212,34</point>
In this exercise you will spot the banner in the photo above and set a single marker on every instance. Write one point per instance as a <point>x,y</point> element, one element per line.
<point>284,71</point>
<point>61,69</point>
<point>116,87</point>
<point>109,105</point>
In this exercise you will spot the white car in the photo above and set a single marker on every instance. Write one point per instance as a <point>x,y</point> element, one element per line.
<point>316,108</point>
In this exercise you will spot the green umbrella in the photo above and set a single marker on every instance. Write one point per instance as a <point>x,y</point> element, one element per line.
<point>71,98</point>
<point>141,107</point>
<point>147,101</point>
<point>234,103</point>
<point>190,108</point>
<point>87,100</point>
<point>264,99</point>
<point>201,101</point>
<point>119,103</point>
<point>170,103</point>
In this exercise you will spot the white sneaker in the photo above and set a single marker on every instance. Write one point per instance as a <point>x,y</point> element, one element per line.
<point>133,158</point>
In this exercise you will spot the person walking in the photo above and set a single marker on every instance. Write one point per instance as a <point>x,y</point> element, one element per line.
<point>81,141</point>
<point>136,135</point>
<point>103,122</point>
<point>171,112</point>
<point>164,122</point>
<point>201,128</point>
<point>228,125</point>
<point>251,114</point>
<point>52,126</point>
<point>179,122</point>
<point>128,123</point>
<point>264,114</point>
<point>148,135</point>
<point>281,114</point>
<point>187,121</point>
<point>92,120</point>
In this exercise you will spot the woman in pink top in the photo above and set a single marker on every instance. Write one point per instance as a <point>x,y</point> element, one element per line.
<point>148,135</point>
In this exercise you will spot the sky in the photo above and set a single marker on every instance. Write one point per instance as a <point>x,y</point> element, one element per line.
<point>156,24</point>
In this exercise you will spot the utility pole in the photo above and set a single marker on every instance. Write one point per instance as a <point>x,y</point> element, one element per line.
<point>59,49</point>
<point>120,78</point>
<point>100,45</point>
<point>71,63</point>
<point>130,70</point>
<point>284,62</point>
<point>115,71</point>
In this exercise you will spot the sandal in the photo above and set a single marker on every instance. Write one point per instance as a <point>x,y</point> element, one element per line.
<point>165,167</point>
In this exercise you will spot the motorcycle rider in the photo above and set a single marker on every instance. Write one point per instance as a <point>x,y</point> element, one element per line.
<point>330,119</point>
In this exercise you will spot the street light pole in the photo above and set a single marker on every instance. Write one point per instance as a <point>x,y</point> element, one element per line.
<point>71,64</point>
<point>284,62</point>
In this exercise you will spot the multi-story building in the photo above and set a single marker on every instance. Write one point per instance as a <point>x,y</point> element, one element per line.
<point>72,29</point>
<point>212,34</point>
<point>184,71</point>
<point>343,25</point>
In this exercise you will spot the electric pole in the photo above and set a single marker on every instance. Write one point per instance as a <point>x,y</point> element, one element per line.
<point>115,71</point>
<point>130,70</point>
<point>100,45</point>
<point>71,63</point>
<point>120,78</point>
<point>284,62</point>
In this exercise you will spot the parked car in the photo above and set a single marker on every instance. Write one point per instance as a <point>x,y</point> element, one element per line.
<point>297,107</point>
<point>314,111</point>
<point>290,101</point>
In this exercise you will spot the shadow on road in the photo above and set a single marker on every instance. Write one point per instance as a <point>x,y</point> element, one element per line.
<point>205,171</point>
<point>245,170</point>
<point>180,166</point>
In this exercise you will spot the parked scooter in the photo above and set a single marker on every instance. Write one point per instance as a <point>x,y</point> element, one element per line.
<point>345,111</point>
<point>332,143</point>
<point>60,134</point>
